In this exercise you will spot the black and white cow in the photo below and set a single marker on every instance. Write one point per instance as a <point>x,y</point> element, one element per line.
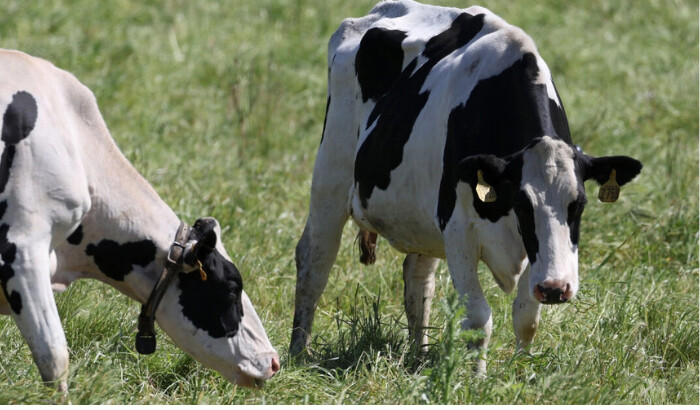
<point>427,106</point>
<point>71,206</point>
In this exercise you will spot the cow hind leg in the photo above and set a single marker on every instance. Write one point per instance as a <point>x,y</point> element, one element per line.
<point>419,289</point>
<point>526,313</point>
<point>315,254</point>
<point>26,284</point>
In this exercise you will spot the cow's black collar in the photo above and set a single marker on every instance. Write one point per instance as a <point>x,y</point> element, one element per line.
<point>146,336</point>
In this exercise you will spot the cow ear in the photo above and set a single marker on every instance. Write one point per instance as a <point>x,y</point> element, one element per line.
<point>493,179</point>
<point>601,169</point>
<point>206,236</point>
<point>610,173</point>
<point>490,167</point>
<point>208,241</point>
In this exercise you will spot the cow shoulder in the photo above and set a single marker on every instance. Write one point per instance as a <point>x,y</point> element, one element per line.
<point>513,101</point>
<point>391,120</point>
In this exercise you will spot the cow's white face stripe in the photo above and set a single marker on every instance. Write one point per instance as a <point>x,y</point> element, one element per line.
<point>550,185</point>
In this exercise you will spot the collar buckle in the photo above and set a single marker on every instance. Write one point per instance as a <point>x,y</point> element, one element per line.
<point>174,256</point>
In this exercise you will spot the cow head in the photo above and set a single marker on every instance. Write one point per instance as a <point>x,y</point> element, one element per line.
<point>207,313</point>
<point>543,184</point>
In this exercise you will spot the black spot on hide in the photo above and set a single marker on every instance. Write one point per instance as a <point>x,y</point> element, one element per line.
<point>325,118</point>
<point>378,61</point>
<point>20,118</point>
<point>17,123</point>
<point>8,252</point>
<point>77,236</point>
<point>117,261</point>
<point>396,111</point>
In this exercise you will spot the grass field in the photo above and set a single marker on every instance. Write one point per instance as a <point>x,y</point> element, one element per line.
<point>234,93</point>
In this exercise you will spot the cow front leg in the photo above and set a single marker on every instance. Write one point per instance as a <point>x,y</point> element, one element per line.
<point>419,289</point>
<point>26,284</point>
<point>462,261</point>
<point>315,254</point>
<point>526,313</point>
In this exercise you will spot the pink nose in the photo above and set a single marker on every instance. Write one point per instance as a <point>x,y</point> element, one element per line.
<point>552,291</point>
<point>275,365</point>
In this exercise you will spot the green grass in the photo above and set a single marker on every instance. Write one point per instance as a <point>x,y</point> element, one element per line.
<point>234,93</point>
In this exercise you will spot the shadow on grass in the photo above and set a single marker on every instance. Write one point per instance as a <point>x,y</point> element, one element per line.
<point>365,341</point>
<point>361,336</point>
<point>364,335</point>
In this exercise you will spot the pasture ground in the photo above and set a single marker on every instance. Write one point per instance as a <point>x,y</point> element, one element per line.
<point>233,93</point>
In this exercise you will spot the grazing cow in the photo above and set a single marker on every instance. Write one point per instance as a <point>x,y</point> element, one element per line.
<point>445,135</point>
<point>71,206</point>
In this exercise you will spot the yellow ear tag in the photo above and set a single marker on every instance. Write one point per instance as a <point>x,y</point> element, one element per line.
<point>484,191</point>
<point>609,191</point>
<point>202,274</point>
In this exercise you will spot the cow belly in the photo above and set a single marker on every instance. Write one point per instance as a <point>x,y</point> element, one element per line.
<point>408,228</point>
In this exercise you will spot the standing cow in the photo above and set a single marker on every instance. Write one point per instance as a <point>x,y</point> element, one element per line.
<point>445,135</point>
<point>71,206</point>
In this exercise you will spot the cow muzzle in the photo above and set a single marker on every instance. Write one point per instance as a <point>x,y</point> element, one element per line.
<point>553,291</point>
<point>248,376</point>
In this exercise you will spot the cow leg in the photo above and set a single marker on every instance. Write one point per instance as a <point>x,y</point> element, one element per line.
<point>526,313</point>
<point>315,254</point>
<point>26,283</point>
<point>419,288</point>
<point>462,261</point>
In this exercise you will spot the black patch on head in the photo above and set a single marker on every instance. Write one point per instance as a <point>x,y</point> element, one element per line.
<point>575,208</point>
<point>17,123</point>
<point>213,305</point>
<point>379,61</point>
<point>397,110</point>
<point>117,261</point>
<point>8,252</point>
<point>503,115</point>
<point>526,225</point>
<point>573,216</point>
<point>77,236</point>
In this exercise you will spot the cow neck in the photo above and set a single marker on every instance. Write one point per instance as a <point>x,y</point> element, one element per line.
<point>146,336</point>
<point>124,203</point>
